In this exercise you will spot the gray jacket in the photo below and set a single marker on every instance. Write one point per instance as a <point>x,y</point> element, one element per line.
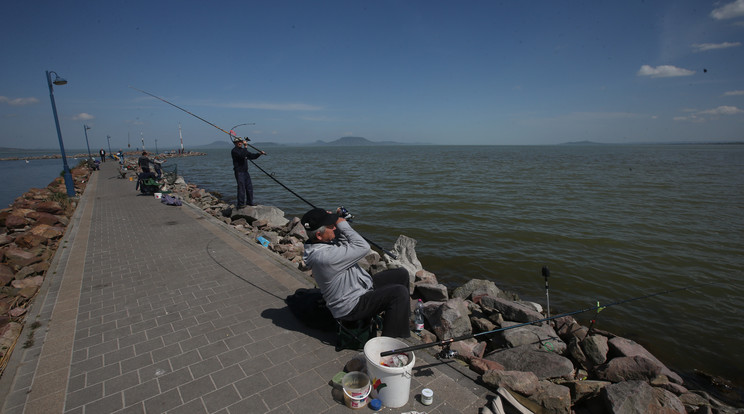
<point>336,271</point>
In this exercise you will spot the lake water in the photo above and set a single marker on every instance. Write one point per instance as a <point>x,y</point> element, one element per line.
<point>611,223</point>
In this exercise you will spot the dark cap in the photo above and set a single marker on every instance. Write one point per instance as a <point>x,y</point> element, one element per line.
<point>316,218</point>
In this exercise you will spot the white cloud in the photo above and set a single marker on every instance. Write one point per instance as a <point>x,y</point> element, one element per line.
<point>733,93</point>
<point>664,71</point>
<point>703,47</point>
<point>729,11</point>
<point>722,110</point>
<point>18,101</point>
<point>710,114</point>
<point>83,117</point>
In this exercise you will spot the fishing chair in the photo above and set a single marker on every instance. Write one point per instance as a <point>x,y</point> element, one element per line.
<point>354,334</point>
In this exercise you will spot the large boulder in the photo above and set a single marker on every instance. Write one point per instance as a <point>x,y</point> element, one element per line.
<point>628,369</point>
<point>51,207</point>
<point>537,337</point>
<point>639,397</point>
<point>595,348</point>
<point>448,319</point>
<point>525,358</point>
<point>273,216</point>
<point>476,287</point>
<point>522,382</point>
<point>512,311</point>
<point>405,250</point>
<point>431,292</point>
<point>625,347</point>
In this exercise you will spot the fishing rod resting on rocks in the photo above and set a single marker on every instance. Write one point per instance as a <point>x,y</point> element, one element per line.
<point>597,308</point>
<point>232,135</point>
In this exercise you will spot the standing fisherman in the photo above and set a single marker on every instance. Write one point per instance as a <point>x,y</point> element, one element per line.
<point>240,157</point>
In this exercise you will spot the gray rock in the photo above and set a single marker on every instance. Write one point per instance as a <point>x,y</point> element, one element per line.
<point>595,348</point>
<point>448,319</point>
<point>626,347</point>
<point>429,292</point>
<point>405,249</point>
<point>524,383</point>
<point>272,215</point>
<point>543,363</point>
<point>632,397</point>
<point>512,311</point>
<point>668,400</point>
<point>553,398</point>
<point>483,287</point>
<point>538,337</point>
<point>628,369</point>
<point>581,390</point>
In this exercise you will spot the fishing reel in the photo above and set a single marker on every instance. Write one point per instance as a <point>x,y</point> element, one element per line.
<point>344,213</point>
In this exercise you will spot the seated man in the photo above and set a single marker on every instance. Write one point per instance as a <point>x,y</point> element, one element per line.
<point>351,293</point>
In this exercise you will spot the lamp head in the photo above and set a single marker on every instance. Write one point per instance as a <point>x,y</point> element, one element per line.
<point>59,81</point>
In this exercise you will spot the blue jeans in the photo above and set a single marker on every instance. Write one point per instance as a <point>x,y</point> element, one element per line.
<point>245,189</point>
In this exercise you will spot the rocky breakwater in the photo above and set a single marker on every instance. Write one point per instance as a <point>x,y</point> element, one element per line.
<point>30,233</point>
<point>555,366</point>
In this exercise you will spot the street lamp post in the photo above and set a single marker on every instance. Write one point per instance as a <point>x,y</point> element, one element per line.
<point>67,175</point>
<point>108,137</point>
<point>86,128</point>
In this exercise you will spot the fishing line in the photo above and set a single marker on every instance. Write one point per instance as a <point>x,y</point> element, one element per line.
<point>446,342</point>
<point>209,253</point>
<point>257,166</point>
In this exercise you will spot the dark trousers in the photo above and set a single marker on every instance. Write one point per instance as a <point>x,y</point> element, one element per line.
<point>389,294</point>
<point>245,188</point>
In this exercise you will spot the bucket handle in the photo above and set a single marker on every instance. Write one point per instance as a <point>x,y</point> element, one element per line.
<point>369,389</point>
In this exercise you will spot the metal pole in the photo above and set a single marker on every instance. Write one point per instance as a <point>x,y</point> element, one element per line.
<point>86,128</point>
<point>67,175</point>
<point>108,137</point>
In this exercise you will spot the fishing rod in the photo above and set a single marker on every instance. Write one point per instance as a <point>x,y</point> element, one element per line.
<point>197,117</point>
<point>598,308</point>
<point>382,249</point>
<point>232,135</point>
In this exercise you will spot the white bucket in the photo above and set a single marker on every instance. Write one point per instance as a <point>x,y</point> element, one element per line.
<point>392,385</point>
<point>356,389</point>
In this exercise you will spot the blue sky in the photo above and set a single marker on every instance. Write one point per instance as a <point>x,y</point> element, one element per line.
<point>440,72</point>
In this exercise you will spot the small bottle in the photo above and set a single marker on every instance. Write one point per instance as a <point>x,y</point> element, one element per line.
<point>418,316</point>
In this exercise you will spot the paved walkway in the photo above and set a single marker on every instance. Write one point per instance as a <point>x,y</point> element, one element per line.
<point>150,308</point>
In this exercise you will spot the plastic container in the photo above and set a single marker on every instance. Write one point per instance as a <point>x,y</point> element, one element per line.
<point>391,385</point>
<point>356,389</point>
<point>158,196</point>
<point>427,396</point>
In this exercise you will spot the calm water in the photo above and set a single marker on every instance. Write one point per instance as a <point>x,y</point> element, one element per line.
<point>611,222</point>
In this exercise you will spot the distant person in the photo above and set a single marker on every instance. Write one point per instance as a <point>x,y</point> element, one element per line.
<point>333,251</point>
<point>240,157</point>
<point>144,162</point>
<point>157,162</point>
<point>103,155</point>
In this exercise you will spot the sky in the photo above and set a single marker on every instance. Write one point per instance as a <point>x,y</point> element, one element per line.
<point>436,72</point>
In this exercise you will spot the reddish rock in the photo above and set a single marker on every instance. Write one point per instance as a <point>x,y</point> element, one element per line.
<point>51,207</point>
<point>481,365</point>
<point>28,292</point>
<point>19,258</point>
<point>13,221</point>
<point>28,240</point>
<point>47,232</point>
<point>5,239</point>
<point>42,217</point>
<point>6,275</point>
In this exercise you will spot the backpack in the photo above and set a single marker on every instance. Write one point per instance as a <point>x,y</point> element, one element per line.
<point>309,307</point>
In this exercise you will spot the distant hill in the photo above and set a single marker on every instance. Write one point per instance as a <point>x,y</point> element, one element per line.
<point>356,142</point>
<point>582,143</point>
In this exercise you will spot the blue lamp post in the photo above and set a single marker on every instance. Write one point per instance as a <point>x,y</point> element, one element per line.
<point>86,128</point>
<point>68,176</point>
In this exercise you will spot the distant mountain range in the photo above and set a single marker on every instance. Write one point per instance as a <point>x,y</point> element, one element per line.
<point>343,141</point>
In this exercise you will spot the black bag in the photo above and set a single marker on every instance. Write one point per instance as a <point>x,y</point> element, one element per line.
<point>354,334</point>
<point>309,307</point>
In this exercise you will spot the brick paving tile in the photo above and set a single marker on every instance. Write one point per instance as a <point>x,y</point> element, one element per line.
<point>163,309</point>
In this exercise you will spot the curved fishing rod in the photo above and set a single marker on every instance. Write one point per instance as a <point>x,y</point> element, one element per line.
<point>389,253</point>
<point>598,308</point>
<point>196,116</point>
<point>262,170</point>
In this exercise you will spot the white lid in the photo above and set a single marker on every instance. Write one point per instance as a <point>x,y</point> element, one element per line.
<point>426,392</point>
